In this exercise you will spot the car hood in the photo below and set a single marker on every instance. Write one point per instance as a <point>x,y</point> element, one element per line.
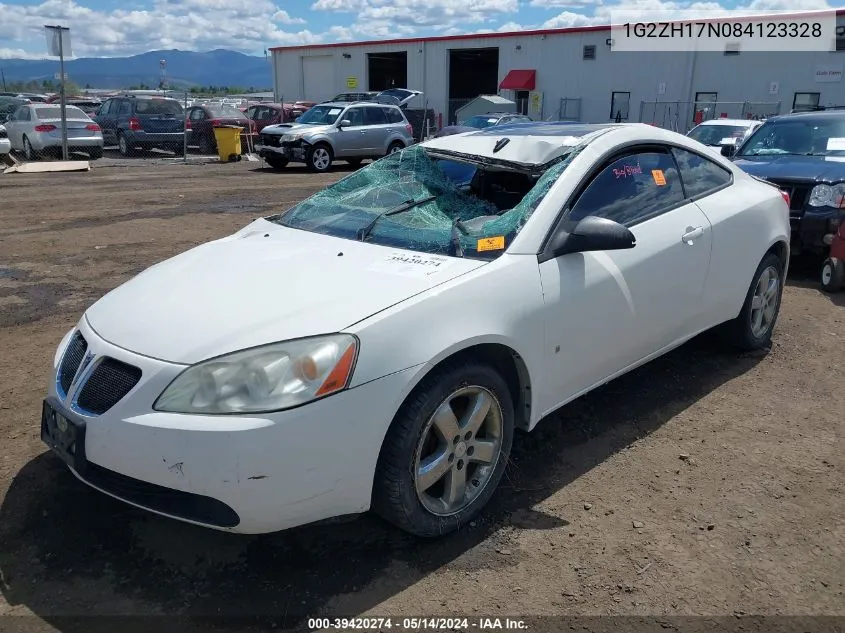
<point>294,128</point>
<point>265,283</point>
<point>812,168</point>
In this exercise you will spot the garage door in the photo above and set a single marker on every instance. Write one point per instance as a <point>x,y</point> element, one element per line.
<point>318,72</point>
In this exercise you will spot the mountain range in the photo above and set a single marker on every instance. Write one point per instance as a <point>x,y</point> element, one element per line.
<point>184,69</point>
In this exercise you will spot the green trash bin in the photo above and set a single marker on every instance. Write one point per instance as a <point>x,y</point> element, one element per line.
<point>228,139</point>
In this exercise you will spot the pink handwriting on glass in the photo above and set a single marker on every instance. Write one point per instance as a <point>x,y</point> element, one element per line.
<point>627,170</point>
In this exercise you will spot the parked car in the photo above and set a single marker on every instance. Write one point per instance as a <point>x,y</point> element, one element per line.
<point>141,121</point>
<point>804,154</point>
<point>36,130</point>
<point>720,132</point>
<point>204,118</point>
<point>264,114</point>
<point>8,105</point>
<point>833,268</point>
<point>376,345</point>
<point>328,131</point>
<point>5,144</point>
<point>89,106</point>
<point>482,121</point>
<point>393,96</point>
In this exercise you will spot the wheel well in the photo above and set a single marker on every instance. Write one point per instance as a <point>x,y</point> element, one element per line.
<point>781,249</point>
<point>512,367</point>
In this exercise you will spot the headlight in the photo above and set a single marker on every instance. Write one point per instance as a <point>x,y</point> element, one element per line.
<point>287,138</point>
<point>828,196</point>
<point>262,379</point>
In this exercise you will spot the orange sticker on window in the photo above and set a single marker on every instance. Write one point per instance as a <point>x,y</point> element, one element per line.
<point>658,176</point>
<point>491,244</point>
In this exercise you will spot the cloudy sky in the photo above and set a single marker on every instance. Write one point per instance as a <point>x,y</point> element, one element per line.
<point>109,28</point>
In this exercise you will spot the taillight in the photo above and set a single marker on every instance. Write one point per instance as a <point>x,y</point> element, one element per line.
<point>216,122</point>
<point>410,129</point>
<point>785,197</point>
<point>134,124</point>
<point>93,127</point>
<point>188,125</point>
<point>46,127</point>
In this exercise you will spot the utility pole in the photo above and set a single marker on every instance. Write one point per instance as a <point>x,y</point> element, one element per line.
<point>3,75</point>
<point>56,46</point>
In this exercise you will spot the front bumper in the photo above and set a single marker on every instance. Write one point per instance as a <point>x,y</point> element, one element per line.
<point>248,474</point>
<point>289,150</point>
<point>5,146</point>
<point>808,230</point>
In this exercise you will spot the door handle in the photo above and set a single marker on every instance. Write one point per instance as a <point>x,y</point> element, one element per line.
<point>693,233</point>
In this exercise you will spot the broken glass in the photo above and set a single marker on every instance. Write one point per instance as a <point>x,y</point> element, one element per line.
<point>486,201</point>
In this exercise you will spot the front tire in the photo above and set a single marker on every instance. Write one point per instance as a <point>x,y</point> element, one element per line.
<point>833,274</point>
<point>319,158</point>
<point>446,451</point>
<point>752,329</point>
<point>208,145</point>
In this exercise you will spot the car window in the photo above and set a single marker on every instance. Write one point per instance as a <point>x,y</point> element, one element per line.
<point>321,115</point>
<point>55,112</point>
<point>125,109</point>
<point>158,106</point>
<point>252,113</point>
<point>802,135</point>
<point>631,189</point>
<point>374,116</point>
<point>700,175</point>
<point>394,115</point>
<point>715,134</point>
<point>355,116</point>
<point>197,114</point>
<point>104,109</point>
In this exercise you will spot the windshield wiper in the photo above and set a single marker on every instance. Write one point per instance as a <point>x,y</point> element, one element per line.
<point>458,229</point>
<point>364,232</point>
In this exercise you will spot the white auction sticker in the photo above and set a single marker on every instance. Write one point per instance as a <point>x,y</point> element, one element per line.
<point>411,264</point>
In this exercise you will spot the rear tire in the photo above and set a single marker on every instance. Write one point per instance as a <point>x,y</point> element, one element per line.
<point>439,465</point>
<point>752,329</point>
<point>833,274</point>
<point>179,150</point>
<point>395,146</point>
<point>28,152</point>
<point>208,145</point>
<point>123,146</point>
<point>276,162</point>
<point>319,158</point>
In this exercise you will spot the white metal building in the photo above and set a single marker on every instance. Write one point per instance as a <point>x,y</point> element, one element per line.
<point>569,74</point>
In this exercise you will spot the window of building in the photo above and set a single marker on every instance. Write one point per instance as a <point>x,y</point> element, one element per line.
<point>806,101</point>
<point>840,38</point>
<point>700,175</point>
<point>589,52</point>
<point>632,189</point>
<point>619,106</point>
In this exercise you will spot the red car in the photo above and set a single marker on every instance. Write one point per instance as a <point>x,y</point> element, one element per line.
<point>202,119</point>
<point>264,114</point>
<point>833,269</point>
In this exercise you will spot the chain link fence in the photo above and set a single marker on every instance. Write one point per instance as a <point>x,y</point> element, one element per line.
<point>682,116</point>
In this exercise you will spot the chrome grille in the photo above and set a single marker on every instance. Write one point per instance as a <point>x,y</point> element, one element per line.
<point>110,381</point>
<point>799,194</point>
<point>74,354</point>
<point>271,140</point>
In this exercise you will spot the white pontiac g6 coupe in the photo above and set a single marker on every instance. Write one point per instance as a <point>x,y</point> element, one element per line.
<point>376,345</point>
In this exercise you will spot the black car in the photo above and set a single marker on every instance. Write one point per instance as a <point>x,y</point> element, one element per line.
<point>804,155</point>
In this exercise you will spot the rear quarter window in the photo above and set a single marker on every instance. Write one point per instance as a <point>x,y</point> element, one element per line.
<point>700,175</point>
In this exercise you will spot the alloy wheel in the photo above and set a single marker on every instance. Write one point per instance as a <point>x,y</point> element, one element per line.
<point>458,450</point>
<point>764,302</point>
<point>320,158</point>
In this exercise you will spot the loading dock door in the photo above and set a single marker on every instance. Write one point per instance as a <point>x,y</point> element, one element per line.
<point>318,77</point>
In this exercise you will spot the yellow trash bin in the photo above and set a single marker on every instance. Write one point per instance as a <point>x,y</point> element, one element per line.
<point>228,139</point>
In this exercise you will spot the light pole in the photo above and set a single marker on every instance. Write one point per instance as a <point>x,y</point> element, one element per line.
<point>57,37</point>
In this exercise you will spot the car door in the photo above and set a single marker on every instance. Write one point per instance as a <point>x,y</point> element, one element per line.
<point>377,131</point>
<point>200,126</point>
<point>13,128</point>
<point>106,120</point>
<point>351,139</point>
<point>609,310</point>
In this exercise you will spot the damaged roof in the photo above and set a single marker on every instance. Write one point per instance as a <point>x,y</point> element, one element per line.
<point>530,144</point>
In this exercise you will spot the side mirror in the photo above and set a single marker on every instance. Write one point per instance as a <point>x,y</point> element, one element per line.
<point>728,150</point>
<point>593,234</point>
<point>344,123</point>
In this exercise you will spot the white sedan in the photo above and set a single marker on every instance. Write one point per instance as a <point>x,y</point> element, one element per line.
<point>376,345</point>
<point>5,145</point>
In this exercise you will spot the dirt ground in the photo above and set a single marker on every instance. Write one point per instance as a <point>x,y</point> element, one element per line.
<point>704,484</point>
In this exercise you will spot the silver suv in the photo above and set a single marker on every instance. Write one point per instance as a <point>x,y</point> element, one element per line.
<point>336,130</point>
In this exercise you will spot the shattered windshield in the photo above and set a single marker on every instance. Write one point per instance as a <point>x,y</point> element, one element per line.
<point>412,199</point>
<point>802,136</point>
<point>481,122</point>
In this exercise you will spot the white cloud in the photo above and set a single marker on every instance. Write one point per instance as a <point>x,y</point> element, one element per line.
<point>243,25</point>
<point>565,4</point>
<point>19,53</point>
<point>568,19</point>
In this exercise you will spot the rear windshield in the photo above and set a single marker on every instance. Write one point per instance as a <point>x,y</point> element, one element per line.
<point>223,110</point>
<point>55,112</point>
<point>716,134</point>
<point>158,106</point>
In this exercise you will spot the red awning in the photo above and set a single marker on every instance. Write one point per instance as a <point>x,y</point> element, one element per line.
<point>519,80</point>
